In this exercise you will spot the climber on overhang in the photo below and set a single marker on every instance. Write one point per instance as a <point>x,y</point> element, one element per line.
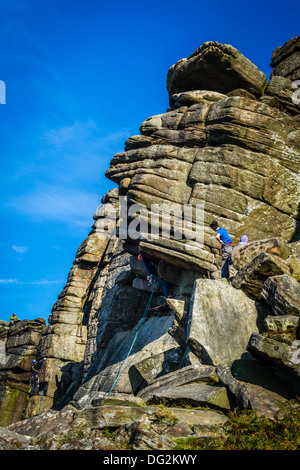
<point>151,268</point>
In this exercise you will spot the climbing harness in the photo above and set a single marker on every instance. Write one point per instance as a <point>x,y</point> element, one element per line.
<point>151,278</point>
<point>135,337</point>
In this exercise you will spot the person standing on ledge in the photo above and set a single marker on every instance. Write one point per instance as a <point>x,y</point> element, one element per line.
<point>226,242</point>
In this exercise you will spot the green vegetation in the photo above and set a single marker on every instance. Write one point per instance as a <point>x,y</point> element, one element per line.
<point>249,431</point>
<point>164,415</point>
<point>108,432</point>
<point>72,436</point>
<point>9,397</point>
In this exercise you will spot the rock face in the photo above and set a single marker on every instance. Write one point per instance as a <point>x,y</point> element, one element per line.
<point>198,72</point>
<point>228,148</point>
<point>282,293</point>
<point>286,60</point>
<point>215,318</point>
<point>135,428</point>
<point>19,343</point>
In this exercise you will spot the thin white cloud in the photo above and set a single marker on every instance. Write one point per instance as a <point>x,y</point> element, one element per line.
<point>86,133</point>
<point>77,132</point>
<point>39,282</point>
<point>59,204</point>
<point>74,154</point>
<point>68,174</point>
<point>20,249</point>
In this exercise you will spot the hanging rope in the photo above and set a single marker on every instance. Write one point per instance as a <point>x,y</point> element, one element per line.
<point>134,339</point>
<point>41,401</point>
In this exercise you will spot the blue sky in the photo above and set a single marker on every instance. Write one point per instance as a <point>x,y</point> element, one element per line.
<point>80,78</point>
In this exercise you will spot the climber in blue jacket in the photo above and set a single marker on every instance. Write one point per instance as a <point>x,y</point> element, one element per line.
<point>226,242</point>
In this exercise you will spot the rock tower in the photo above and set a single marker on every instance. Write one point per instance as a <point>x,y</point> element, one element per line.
<point>229,144</point>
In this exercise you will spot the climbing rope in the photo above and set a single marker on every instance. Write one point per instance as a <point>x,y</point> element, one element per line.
<point>134,339</point>
<point>41,401</point>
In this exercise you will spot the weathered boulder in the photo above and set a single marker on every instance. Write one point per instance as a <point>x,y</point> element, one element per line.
<point>277,352</point>
<point>252,276</point>
<point>282,293</point>
<point>281,323</point>
<point>194,394</point>
<point>10,440</point>
<point>198,71</point>
<point>251,396</point>
<point>184,375</point>
<point>113,398</point>
<point>135,428</point>
<point>57,430</point>
<point>244,254</point>
<point>158,431</point>
<point>47,421</point>
<point>188,98</point>
<point>204,423</point>
<point>74,437</point>
<point>138,435</point>
<point>221,321</point>
<point>179,254</point>
<point>283,86</point>
<point>283,92</point>
<point>36,405</point>
<point>142,373</point>
<point>113,416</point>
<point>286,60</point>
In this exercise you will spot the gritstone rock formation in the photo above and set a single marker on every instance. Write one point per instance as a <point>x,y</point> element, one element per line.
<point>230,144</point>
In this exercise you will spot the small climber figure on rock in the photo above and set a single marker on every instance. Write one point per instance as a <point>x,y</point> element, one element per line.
<point>152,273</point>
<point>13,318</point>
<point>226,242</point>
<point>35,379</point>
